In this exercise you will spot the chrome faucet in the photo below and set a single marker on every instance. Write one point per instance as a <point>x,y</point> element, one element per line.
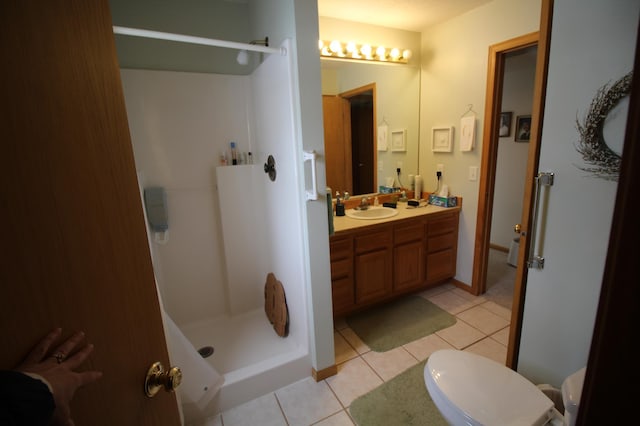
<point>364,203</point>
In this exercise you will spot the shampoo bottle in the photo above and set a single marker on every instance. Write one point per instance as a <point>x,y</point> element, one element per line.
<point>234,154</point>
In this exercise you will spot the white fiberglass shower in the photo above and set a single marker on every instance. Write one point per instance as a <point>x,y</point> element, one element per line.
<point>229,226</point>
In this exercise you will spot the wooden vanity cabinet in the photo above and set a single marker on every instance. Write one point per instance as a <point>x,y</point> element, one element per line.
<point>342,289</point>
<point>442,247</point>
<point>377,263</point>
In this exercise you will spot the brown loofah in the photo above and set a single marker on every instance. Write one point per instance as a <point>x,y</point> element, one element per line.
<point>269,297</point>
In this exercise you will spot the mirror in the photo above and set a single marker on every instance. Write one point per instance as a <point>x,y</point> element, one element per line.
<point>392,93</point>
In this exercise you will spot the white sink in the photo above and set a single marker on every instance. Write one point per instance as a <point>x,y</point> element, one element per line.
<point>372,213</point>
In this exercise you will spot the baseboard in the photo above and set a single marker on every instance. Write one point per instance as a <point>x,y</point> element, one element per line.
<point>324,373</point>
<point>499,248</point>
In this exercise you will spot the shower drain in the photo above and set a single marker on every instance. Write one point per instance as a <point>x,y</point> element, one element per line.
<point>206,351</point>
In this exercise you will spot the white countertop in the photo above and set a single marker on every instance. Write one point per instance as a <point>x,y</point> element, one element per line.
<point>344,223</point>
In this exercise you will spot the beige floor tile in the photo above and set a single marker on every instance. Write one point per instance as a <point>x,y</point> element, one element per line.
<point>436,290</point>
<point>260,411</point>
<point>451,302</point>
<point>498,310</point>
<point>491,349</point>
<point>391,363</point>
<point>501,336</point>
<point>342,348</point>
<point>339,419</point>
<point>424,347</point>
<point>460,335</point>
<point>352,338</point>
<point>354,378</point>
<point>468,296</point>
<point>483,319</point>
<point>307,401</point>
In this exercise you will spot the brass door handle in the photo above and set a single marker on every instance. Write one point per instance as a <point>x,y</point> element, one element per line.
<point>517,228</point>
<point>158,378</point>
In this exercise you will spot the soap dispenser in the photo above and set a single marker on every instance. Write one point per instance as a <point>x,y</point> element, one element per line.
<point>339,206</point>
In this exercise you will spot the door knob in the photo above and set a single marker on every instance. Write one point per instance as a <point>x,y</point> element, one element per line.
<point>158,378</point>
<point>517,228</point>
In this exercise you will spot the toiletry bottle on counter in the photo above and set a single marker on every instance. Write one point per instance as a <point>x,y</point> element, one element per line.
<point>339,206</point>
<point>329,210</point>
<point>234,154</point>
<point>250,159</point>
<point>223,158</point>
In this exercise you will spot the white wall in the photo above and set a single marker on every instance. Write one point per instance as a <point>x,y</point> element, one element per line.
<point>454,75</point>
<point>511,166</point>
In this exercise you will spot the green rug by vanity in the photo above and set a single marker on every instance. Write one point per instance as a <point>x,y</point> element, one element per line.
<point>403,400</point>
<point>399,322</point>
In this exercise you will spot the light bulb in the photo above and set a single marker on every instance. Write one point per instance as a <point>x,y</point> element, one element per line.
<point>336,46</point>
<point>395,53</point>
<point>366,50</point>
<point>382,53</point>
<point>406,54</point>
<point>320,44</point>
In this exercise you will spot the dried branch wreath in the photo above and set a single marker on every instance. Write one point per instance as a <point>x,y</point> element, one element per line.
<point>604,162</point>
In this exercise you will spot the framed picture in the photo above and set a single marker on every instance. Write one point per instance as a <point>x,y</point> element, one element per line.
<point>505,124</point>
<point>399,140</point>
<point>441,139</point>
<point>523,128</point>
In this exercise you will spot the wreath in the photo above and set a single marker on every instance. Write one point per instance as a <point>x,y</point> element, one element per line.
<point>604,163</point>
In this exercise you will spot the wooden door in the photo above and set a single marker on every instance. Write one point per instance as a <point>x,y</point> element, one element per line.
<point>75,253</point>
<point>337,143</point>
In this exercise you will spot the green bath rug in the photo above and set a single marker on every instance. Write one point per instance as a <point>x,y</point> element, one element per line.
<point>403,400</point>
<point>399,322</point>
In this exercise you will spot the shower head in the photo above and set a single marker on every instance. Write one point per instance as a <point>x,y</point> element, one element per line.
<point>243,55</point>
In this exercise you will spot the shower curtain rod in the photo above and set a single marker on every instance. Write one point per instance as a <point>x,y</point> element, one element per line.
<point>197,40</point>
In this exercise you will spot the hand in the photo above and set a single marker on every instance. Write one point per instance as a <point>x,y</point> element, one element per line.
<point>57,369</point>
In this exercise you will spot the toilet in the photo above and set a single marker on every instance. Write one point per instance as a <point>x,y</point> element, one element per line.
<point>470,389</point>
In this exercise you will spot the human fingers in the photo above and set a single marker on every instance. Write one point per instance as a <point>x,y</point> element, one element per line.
<point>39,351</point>
<point>87,377</point>
<point>79,357</point>
<point>63,350</point>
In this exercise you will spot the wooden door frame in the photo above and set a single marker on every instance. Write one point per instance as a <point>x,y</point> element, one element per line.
<point>495,74</point>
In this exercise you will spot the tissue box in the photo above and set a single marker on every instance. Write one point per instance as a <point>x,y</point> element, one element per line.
<point>387,189</point>
<point>443,201</point>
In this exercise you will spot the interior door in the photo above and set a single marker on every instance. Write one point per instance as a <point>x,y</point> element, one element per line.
<point>572,228</point>
<point>75,249</point>
<point>337,143</point>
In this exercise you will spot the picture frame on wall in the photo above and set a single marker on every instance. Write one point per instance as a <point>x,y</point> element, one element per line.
<point>399,140</point>
<point>505,124</point>
<point>441,139</point>
<point>523,128</point>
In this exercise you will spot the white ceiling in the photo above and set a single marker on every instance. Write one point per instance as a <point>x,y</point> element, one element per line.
<point>412,15</point>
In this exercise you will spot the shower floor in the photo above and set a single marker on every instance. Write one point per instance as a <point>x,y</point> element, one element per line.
<point>238,341</point>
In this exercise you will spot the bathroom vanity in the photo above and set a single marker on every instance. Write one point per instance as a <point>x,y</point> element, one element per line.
<point>377,260</point>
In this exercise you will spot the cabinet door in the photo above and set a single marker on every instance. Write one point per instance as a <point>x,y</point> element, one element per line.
<point>409,266</point>
<point>373,276</point>
<point>441,265</point>
<point>342,291</point>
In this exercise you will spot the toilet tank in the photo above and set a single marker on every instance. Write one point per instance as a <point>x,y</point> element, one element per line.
<point>571,393</point>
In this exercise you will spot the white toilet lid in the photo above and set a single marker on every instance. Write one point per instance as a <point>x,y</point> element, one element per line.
<point>485,391</point>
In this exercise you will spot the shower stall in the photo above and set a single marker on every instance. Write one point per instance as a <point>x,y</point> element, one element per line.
<point>229,226</point>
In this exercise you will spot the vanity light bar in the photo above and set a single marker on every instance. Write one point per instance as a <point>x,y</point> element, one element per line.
<point>352,50</point>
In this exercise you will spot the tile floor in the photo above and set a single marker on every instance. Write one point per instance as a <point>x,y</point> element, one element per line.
<point>482,327</point>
